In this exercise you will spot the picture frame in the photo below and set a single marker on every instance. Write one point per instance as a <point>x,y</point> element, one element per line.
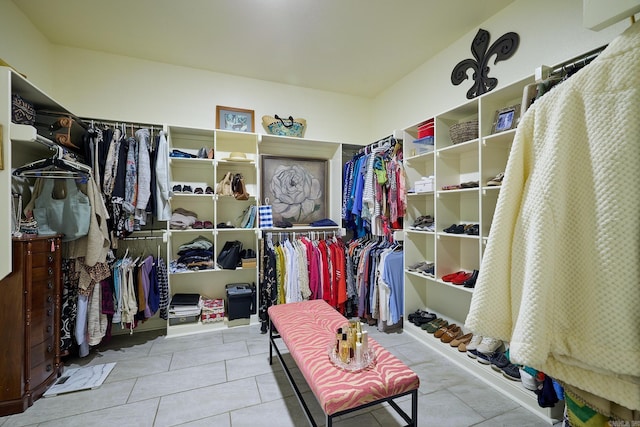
<point>506,119</point>
<point>296,188</point>
<point>235,119</point>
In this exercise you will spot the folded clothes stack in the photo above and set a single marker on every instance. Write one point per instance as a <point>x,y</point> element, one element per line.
<point>181,219</point>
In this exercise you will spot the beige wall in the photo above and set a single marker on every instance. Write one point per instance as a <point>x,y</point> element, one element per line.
<point>95,84</point>
<point>550,32</point>
<point>25,48</point>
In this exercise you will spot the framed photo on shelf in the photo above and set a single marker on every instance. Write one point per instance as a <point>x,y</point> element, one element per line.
<point>237,119</point>
<point>296,188</point>
<point>506,119</point>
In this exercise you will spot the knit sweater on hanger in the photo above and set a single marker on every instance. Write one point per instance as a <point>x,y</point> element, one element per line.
<point>560,275</point>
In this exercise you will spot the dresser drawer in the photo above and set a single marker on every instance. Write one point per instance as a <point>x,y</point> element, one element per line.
<point>41,373</point>
<point>42,325</point>
<point>42,296</point>
<point>43,259</point>
<point>43,246</point>
<point>42,273</point>
<point>43,352</point>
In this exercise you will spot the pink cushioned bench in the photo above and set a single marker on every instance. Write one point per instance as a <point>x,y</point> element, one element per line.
<point>307,329</point>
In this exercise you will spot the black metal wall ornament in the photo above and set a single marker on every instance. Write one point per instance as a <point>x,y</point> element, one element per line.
<point>503,48</point>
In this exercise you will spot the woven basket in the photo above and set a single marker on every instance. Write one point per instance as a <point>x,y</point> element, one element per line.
<point>285,127</point>
<point>461,132</point>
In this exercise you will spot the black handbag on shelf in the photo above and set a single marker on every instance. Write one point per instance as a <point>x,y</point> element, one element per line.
<point>229,257</point>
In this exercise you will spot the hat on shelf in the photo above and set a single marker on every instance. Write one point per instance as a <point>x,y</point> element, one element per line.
<point>237,156</point>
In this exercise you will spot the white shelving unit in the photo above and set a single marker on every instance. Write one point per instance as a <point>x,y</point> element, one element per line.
<point>215,208</point>
<point>479,159</point>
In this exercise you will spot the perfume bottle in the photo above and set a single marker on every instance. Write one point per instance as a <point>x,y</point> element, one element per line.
<point>344,349</point>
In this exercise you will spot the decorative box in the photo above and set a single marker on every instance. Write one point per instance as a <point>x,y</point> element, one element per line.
<point>425,129</point>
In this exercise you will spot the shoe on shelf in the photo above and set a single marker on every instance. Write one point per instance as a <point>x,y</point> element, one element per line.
<point>472,347</point>
<point>187,189</point>
<point>511,372</point>
<point>414,267</point>
<point>198,190</point>
<point>482,358</point>
<point>498,361</point>
<point>462,278</point>
<point>434,325</point>
<point>451,334</point>
<point>496,181</point>
<point>427,270</point>
<point>177,189</point>
<point>489,345</point>
<point>208,190</point>
<point>472,229</point>
<point>450,277</point>
<point>469,184</point>
<point>443,330</point>
<point>471,281</point>
<point>461,340</point>
<point>451,228</point>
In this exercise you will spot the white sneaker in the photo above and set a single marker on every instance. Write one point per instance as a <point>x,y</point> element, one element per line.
<point>489,345</point>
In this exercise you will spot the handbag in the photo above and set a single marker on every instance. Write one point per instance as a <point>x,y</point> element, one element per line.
<point>265,215</point>
<point>284,127</point>
<point>229,257</point>
<point>69,216</point>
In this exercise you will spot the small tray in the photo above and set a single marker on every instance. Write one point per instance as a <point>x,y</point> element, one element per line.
<point>368,359</point>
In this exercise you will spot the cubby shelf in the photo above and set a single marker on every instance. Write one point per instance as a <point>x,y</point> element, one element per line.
<point>478,159</point>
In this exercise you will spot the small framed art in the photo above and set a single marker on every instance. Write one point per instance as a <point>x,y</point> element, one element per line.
<point>295,188</point>
<point>506,119</point>
<point>229,118</point>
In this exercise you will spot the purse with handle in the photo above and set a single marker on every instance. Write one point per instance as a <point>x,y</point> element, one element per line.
<point>276,125</point>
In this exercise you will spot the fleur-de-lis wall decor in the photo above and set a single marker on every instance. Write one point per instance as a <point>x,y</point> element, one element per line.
<point>503,48</point>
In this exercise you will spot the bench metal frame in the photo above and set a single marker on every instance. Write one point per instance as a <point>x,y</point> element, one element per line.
<point>412,421</point>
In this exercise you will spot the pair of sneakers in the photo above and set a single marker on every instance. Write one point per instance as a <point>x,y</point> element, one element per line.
<point>424,267</point>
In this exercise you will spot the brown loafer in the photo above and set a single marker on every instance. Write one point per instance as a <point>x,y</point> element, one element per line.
<point>440,332</point>
<point>464,339</point>
<point>451,334</point>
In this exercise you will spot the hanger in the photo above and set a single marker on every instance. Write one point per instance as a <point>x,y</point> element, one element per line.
<point>54,167</point>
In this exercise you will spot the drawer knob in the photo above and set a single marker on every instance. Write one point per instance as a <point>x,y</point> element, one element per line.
<point>50,270</point>
<point>49,368</point>
<point>49,285</point>
<point>49,348</point>
<point>49,312</point>
<point>50,259</point>
<point>49,298</point>
<point>48,328</point>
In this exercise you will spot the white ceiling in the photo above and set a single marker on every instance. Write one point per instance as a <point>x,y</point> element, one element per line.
<point>358,47</point>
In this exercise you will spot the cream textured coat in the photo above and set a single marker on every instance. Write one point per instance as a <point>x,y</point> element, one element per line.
<point>560,278</point>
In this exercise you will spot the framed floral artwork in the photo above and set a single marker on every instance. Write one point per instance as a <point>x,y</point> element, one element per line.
<point>295,188</point>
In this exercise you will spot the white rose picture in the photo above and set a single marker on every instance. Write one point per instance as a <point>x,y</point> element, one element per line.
<point>295,189</point>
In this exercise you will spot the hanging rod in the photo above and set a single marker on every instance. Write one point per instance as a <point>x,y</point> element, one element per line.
<point>87,121</point>
<point>545,72</point>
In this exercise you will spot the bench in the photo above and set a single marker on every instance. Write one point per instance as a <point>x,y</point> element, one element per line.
<point>307,329</point>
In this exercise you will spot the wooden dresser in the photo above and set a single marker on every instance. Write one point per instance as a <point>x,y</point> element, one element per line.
<point>30,323</point>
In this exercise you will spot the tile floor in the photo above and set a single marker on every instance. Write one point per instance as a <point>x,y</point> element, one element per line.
<point>223,379</point>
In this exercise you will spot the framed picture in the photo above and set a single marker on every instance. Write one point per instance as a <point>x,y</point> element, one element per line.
<point>229,118</point>
<point>295,188</point>
<point>506,119</point>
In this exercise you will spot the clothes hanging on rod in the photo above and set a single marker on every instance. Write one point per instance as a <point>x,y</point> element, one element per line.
<point>375,280</point>
<point>300,268</point>
<point>127,164</point>
<point>373,185</point>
